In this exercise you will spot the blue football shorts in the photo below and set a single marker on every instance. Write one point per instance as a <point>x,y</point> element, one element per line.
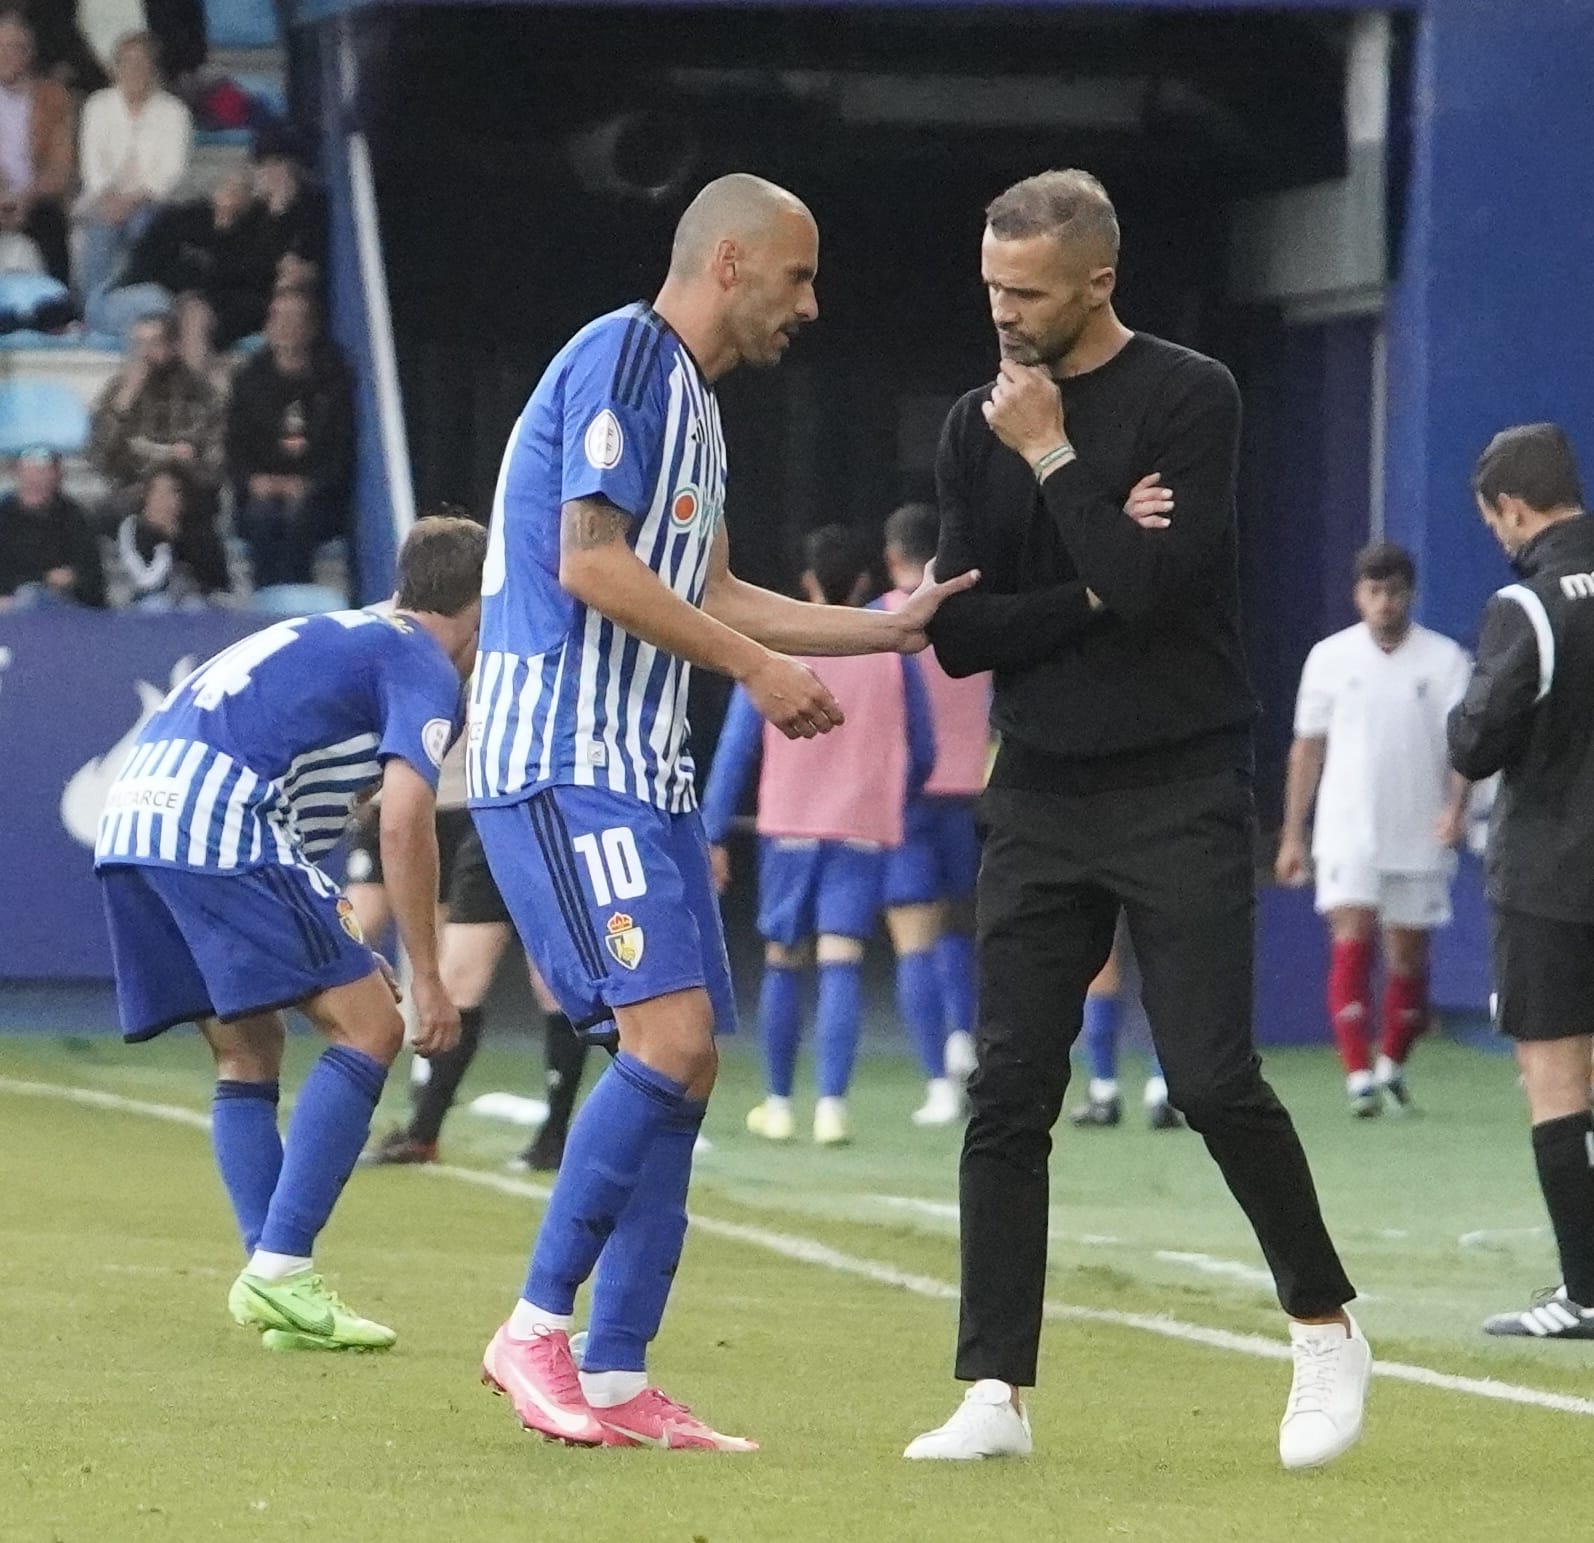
<point>808,888</point>
<point>188,945</point>
<point>613,899</point>
<point>939,858</point>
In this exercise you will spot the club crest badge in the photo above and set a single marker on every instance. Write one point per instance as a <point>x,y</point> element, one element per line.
<point>625,941</point>
<point>349,922</point>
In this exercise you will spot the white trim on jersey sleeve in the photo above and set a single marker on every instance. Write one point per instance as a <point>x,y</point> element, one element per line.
<point>1314,700</point>
<point>1539,618</point>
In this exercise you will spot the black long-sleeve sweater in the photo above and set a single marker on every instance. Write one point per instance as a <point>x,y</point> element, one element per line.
<point>1154,688</point>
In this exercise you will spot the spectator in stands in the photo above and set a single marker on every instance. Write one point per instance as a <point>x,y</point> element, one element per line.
<point>290,442</point>
<point>36,147</point>
<point>170,550</point>
<point>291,209</point>
<point>176,26</point>
<point>132,154</point>
<point>48,553</point>
<point>204,249</point>
<point>60,49</point>
<point>154,413</point>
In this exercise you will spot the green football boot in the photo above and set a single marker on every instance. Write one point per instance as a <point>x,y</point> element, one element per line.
<point>301,1312</point>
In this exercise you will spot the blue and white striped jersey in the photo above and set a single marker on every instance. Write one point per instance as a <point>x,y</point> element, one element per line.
<point>257,757</point>
<point>561,694</point>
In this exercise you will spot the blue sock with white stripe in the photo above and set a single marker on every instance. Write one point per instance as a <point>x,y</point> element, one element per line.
<point>331,1120</point>
<point>248,1148</point>
<point>607,1149</point>
<point>837,1022</point>
<point>919,1003</point>
<point>954,963</point>
<point>638,1263</point>
<point>1101,1038</point>
<point>779,1026</point>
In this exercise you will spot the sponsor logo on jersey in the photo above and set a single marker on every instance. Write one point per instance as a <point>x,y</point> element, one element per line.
<point>625,941</point>
<point>434,739</point>
<point>604,443</point>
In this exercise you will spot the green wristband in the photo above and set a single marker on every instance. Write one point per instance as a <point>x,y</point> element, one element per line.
<point>1048,463</point>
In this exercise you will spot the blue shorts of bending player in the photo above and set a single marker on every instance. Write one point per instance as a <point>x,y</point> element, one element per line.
<point>939,858</point>
<point>189,945</point>
<point>810,887</point>
<point>613,898</point>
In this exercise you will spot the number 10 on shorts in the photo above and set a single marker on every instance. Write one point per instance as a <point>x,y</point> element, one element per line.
<point>614,866</point>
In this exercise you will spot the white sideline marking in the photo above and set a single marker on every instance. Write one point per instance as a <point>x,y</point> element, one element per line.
<point>1488,1237</point>
<point>1210,1264</point>
<point>811,1251</point>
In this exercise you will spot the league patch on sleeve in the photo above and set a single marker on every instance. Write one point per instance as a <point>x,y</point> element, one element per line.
<point>604,442</point>
<point>434,739</point>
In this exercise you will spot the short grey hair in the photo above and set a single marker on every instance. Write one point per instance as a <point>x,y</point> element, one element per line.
<point>1071,205</point>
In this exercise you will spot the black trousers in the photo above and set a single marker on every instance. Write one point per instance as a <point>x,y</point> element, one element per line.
<point>1057,867</point>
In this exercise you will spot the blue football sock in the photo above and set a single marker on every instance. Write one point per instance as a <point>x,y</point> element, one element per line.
<point>954,963</point>
<point>839,1017</point>
<point>638,1263</point>
<point>248,1147</point>
<point>1153,1065</point>
<point>779,1010</point>
<point>331,1120</point>
<point>1101,1037</point>
<point>919,1003</point>
<point>604,1158</point>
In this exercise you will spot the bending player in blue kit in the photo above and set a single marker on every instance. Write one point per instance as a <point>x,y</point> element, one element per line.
<point>607,579</point>
<point>218,914</point>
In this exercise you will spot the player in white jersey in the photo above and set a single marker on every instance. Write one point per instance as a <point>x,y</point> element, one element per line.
<point>1370,748</point>
<point>607,579</point>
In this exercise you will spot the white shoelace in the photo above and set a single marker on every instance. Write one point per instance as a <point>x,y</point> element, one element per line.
<point>1314,1378</point>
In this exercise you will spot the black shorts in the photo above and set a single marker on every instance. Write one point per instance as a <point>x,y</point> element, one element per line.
<point>1543,976</point>
<point>473,896</point>
<point>365,849</point>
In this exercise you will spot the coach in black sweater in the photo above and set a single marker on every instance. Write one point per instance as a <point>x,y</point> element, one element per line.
<point>1093,486</point>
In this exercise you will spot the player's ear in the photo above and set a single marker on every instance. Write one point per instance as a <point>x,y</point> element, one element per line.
<point>728,256</point>
<point>1103,281</point>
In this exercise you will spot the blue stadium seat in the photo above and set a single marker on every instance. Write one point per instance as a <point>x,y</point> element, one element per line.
<point>37,412</point>
<point>296,599</point>
<point>241,23</point>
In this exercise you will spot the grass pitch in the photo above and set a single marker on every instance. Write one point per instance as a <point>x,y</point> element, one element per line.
<point>134,1409</point>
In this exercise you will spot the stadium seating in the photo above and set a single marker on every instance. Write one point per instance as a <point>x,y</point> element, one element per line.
<point>41,412</point>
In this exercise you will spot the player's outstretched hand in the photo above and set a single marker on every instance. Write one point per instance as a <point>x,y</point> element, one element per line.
<point>436,1018</point>
<point>1150,504</point>
<point>792,697</point>
<point>1291,867</point>
<point>914,615</point>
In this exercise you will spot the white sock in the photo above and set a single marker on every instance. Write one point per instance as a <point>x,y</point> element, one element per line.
<point>1156,1091</point>
<point>269,1266</point>
<point>1358,1083</point>
<point>1385,1070</point>
<point>776,1104</point>
<point>937,1088</point>
<point>603,1390</point>
<point>528,1321</point>
<point>1103,1088</point>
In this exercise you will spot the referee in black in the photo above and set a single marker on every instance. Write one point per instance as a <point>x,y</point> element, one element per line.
<point>1093,486</point>
<point>1529,715</point>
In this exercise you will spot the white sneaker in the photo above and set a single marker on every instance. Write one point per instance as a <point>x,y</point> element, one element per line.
<point>830,1122</point>
<point>772,1119</point>
<point>959,1055</point>
<point>943,1103</point>
<point>1323,1417</point>
<point>985,1424</point>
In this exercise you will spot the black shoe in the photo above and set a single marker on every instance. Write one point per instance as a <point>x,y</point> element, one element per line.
<point>1553,1316</point>
<point>1163,1116</point>
<point>399,1148</point>
<point>544,1154</point>
<point>1099,1111</point>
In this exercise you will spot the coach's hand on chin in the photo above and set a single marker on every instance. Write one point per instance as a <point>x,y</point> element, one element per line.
<point>1025,411</point>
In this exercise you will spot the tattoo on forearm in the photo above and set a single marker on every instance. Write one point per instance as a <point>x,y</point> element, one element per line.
<point>589,522</point>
